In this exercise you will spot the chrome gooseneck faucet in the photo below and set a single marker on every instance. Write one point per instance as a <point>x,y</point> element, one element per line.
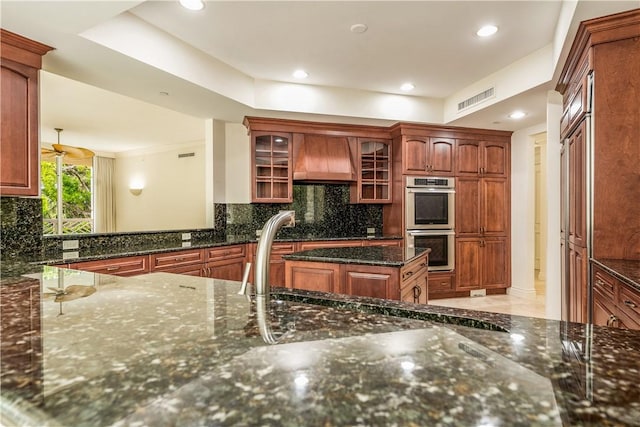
<point>263,253</point>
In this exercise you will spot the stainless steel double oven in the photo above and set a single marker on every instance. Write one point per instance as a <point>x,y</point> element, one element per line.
<point>430,219</point>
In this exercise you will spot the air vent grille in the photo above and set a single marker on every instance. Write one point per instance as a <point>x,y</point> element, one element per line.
<point>489,93</point>
<point>180,156</point>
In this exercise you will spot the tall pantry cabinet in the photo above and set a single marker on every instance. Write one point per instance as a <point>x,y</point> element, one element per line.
<point>600,129</point>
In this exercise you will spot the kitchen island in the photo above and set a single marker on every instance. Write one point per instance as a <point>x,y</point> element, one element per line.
<point>378,272</point>
<point>86,349</point>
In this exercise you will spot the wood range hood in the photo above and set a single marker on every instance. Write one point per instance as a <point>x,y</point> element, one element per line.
<point>323,159</point>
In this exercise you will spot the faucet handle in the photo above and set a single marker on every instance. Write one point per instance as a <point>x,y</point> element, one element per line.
<point>245,279</point>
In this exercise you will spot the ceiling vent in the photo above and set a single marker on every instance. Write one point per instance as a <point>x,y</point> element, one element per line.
<point>183,155</point>
<point>476,99</point>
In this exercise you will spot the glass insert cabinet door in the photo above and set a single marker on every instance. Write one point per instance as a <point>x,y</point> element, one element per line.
<point>272,172</point>
<point>374,180</point>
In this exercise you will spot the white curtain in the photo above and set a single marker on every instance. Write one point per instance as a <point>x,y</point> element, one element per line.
<point>104,198</point>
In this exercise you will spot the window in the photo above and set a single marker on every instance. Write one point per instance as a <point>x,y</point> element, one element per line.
<point>68,211</point>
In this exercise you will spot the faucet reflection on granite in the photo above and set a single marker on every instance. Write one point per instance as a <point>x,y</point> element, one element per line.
<point>261,278</point>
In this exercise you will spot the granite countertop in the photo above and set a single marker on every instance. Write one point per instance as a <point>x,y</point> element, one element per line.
<point>107,252</point>
<point>626,270</point>
<point>164,349</point>
<point>387,256</point>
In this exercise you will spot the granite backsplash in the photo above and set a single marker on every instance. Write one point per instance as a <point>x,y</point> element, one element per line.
<point>322,210</point>
<point>20,226</point>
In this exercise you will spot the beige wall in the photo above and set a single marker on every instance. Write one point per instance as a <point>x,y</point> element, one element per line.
<point>237,159</point>
<point>173,197</point>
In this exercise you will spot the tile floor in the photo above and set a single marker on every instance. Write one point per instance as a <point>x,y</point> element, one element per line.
<point>508,304</point>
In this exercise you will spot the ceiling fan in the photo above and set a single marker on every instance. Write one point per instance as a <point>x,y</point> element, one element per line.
<point>67,151</point>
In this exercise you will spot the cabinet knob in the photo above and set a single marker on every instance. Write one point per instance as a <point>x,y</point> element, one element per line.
<point>114,268</point>
<point>630,303</point>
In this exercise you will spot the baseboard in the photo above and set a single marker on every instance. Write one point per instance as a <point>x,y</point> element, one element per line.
<point>522,293</point>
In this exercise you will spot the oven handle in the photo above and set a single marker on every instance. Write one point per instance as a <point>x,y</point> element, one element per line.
<point>430,190</point>
<point>430,232</point>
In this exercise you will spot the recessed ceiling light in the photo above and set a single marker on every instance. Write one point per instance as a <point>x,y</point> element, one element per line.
<point>517,115</point>
<point>407,87</point>
<point>192,4</point>
<point>358,28</point>
<point>164,93</point>
<point>300,74</point>
<point>487,30</point>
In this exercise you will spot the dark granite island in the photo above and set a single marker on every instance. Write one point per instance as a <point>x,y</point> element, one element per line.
<point>172,350</point>
<point>369,271</point>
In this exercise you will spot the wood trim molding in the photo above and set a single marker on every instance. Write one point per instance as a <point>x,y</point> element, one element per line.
<point>596,31</point>
<point>21,49</point>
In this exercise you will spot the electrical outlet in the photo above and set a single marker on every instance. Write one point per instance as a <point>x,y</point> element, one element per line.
<point>371,230</point>
<point>70,255</point>
<point>186,236</point>
<point>186,244</point>
<point>70,245</point>
<point>258,233</point>
<point>478,293</point>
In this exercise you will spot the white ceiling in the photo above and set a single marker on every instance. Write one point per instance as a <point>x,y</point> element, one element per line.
<point>235,58</point>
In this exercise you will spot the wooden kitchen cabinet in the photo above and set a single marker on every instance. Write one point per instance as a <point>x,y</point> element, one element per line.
<point>414,281</point>
<point>423,155</point>
<point>577,187</point>
<point>374,171</point>
<point>577,286</point>
<point>482,207</point>
<point>442,285</point>
<point>124,266</point>
<point>482,158</point>
<point>271,167</point>
<point>175,262</point>
<point>314,276</point>
<point>482,263</point>
<point>21,59</point>
<point>225,262</point>
<point>614,303</point>
<point>371,281</point>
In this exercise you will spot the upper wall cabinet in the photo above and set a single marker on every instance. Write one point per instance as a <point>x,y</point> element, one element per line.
<point>482,158</point>
<point>271,167</point>
<point>424,155</point>
<point>374,171</point>
<point>19,142</point>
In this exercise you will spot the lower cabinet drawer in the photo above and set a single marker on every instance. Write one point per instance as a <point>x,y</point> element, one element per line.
<point>629,303</point>
<point>439,283</point>
<point>213,254</point>
<point>128,266</point>
<point>169,260</point>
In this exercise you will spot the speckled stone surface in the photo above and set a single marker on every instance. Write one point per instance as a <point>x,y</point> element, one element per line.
<point>168,350</point>
<point>626,270</point>
<point>368,255</point>
<point>321,210</point>
<point>20,225</point>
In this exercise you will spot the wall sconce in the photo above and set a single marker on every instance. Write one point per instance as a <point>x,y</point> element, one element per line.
<point>135,191</point>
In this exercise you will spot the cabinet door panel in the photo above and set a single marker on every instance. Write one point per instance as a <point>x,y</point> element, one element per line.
<point>313,276</point>
<point>495,159</point>
<point>602,310</point>
<point>494,263</point>
<point>440,156</point>
<point>19,171</point>
<point>577,187</point>
<point>415,155</point>
<point>468,258</point>
<point>467,157</point>
<point>368,284</point>
<point>494,206</point>
<point>227,269</point>
<point>577,284</point>
<point>468,206</point>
